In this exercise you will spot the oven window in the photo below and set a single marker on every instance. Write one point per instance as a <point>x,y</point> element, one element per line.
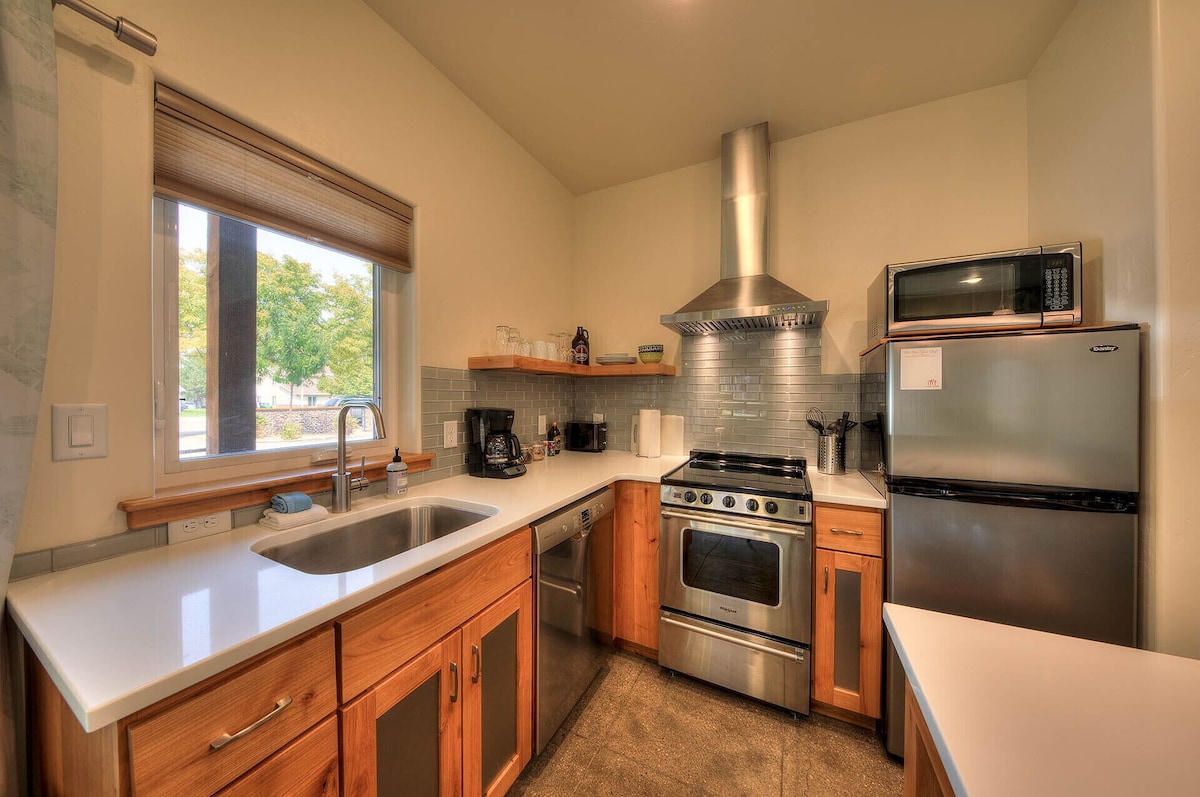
<point>1003,286</point>
<point>733,566</point>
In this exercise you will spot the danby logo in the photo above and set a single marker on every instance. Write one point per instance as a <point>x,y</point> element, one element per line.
<point>727,610</point>
<point>1107,347</point>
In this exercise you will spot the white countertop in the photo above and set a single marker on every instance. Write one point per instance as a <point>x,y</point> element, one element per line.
<point>1015,711</point>
<point>121,634</point>
<point>851,488</point>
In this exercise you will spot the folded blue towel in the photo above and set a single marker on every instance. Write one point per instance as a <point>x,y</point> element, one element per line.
<point>291,502</point>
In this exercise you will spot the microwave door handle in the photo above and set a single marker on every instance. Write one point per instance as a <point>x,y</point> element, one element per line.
<point>756,526</point>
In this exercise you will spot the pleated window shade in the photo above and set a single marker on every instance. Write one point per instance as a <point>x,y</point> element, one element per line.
<point>205,158</point>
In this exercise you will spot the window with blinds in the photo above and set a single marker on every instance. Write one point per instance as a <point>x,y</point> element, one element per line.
<point>276,270</point>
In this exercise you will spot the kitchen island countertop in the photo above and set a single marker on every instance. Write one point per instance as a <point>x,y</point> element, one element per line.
<point>121,634</point>
<point>1016,711</point>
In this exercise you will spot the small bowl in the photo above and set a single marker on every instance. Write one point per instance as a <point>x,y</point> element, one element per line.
<point>650,353</point>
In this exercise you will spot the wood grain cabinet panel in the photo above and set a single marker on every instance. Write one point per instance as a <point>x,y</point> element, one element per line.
<point>635,567</point>
<point>850,529</point>
<point>171,751</point>
<point>377,638</point>
<point>308,767</point>
<point>847,646</point>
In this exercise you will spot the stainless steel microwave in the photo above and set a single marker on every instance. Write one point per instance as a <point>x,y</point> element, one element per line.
<point>1041,286</point>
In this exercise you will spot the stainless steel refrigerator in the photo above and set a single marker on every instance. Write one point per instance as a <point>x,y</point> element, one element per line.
<point>1011,465</point>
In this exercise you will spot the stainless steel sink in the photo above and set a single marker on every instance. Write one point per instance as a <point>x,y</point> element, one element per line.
<point>369,541</point>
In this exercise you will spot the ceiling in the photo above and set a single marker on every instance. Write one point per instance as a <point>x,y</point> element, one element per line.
<point>602,93</point>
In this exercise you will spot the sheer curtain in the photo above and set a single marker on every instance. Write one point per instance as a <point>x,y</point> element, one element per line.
<point>28,195</point>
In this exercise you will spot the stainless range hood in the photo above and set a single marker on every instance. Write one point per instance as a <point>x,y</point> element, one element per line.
<point>746,297</point>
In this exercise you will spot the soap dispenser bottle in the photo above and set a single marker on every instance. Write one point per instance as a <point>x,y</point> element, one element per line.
<point>397,477</point>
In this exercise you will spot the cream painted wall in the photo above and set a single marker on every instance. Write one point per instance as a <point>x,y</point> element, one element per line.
<point>493,230</point>
<point>1091,177</point>
<point>944,178</point>
<point>1175,30</point>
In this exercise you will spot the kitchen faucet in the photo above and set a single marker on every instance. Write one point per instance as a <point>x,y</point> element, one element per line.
<point>343,482</point>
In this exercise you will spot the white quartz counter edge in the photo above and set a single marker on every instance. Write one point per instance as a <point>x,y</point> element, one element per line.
<point>1016,711</point>
<point>119,635</point>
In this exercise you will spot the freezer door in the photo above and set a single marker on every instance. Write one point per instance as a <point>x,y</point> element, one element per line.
<point>1062,571</point>
<point>1068,572</point>
<point>1057,408</point>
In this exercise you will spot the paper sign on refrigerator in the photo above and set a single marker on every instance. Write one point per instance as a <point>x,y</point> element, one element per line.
<point>921,369</point>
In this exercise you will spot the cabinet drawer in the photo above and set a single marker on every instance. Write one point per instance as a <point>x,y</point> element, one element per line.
<point>850,529</point>
<point>382,636</point>
<point>171,751</point>
<point>308,767</point>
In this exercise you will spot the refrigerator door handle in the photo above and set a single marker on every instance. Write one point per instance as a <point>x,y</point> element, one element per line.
<point>1118,503</point>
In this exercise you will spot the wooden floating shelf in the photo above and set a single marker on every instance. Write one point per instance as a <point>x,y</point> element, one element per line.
<point>532,365</point>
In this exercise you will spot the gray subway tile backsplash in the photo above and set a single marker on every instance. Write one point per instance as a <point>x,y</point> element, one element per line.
<point>747,391</point>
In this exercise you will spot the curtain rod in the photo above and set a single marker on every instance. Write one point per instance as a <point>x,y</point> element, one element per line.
<point>135,36</point>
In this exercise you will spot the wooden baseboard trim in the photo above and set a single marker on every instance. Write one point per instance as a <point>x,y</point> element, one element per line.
<point>842,714</point>
<point>633,647</point>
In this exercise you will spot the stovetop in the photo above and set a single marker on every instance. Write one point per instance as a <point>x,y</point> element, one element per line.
<point>749,485</point>
<point>758,474</point>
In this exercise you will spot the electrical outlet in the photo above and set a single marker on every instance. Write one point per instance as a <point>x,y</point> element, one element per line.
<point>193,528</point>
<point>597,417</point>
<point>541,424</point>
<point>450,434</point>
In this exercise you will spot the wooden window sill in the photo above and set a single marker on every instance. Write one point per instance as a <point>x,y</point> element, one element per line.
<point>200,499</point>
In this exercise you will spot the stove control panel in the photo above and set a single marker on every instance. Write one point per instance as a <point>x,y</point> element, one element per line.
<point>699,498</point>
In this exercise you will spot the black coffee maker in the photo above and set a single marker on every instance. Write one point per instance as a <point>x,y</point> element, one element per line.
<point>494,452</point>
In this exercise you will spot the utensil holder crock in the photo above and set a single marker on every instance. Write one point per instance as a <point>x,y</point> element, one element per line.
<point>831,454</point>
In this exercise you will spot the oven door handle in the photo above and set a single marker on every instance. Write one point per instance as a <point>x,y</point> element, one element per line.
<point>745,643</point>
<point>792,531</point>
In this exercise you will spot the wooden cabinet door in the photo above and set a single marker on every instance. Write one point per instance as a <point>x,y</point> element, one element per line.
<point>404,735</point>
<point>498,693</point>
<point>635,567</point>
<point>847,645</point>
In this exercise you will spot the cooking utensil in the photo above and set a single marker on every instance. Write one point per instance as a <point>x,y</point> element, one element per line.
<point>815,416</point>
<point>820,429</point>
<point>843,427</point>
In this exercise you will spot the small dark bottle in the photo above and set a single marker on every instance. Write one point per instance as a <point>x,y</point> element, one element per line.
<point>580,347</point>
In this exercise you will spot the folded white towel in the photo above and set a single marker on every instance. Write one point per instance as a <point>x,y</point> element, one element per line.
<point>277,521</point>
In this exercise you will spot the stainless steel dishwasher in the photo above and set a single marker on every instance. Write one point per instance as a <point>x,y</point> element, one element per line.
<point>574,577</point>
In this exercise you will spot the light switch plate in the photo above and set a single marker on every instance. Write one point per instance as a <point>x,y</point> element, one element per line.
<point>597,417</point>
<point>450,434</point>
<point>78,431</point>
<point>541,424</point>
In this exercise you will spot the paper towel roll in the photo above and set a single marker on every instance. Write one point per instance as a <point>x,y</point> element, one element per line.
<point>672,435</point>
<point>649,442</point>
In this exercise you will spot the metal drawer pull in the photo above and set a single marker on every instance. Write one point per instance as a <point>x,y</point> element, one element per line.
<point>846,531</point>
<point>742,643</point>
<point>478,664</point>
<point>454,687</point>
<point>226,738</point>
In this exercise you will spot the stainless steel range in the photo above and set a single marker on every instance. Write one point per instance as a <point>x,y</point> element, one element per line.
<point>735,574</point>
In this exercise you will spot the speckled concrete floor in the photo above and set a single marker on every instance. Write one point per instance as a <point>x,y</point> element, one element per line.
<point>640,731</point>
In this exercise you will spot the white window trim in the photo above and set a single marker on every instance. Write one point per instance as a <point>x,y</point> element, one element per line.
<point>396,353</point>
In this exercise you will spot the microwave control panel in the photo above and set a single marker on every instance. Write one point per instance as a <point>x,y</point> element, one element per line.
<point>1058,289</point>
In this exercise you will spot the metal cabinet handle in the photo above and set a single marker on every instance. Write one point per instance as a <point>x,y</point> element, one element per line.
<point>846,531</point>
<point>478,664</point>
<point>454,683</point>
<point>227,738</point>
<point>827,581</point>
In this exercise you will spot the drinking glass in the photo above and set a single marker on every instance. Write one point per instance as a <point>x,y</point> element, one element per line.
<point>514,341</point>
<point>502,339</point>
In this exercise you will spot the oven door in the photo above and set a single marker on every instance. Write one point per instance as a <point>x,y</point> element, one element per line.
<point>750,574</point>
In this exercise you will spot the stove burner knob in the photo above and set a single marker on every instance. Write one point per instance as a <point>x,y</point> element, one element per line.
<point>752,504</point>
<point>728,501</point>
<point>771,507</point>
<point>690,497</point>
<point>706,498</point>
